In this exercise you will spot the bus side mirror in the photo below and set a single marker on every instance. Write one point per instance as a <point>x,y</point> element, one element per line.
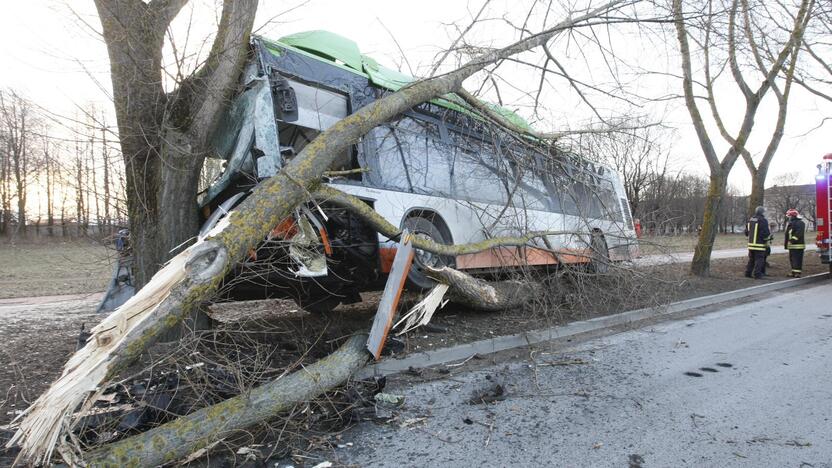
<point>285,100</point>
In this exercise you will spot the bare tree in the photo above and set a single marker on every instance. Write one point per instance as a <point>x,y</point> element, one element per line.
<point>6,191</point>
<point>16,114</point>
<point>705,34</point>
<point>105,159</point>
<point>50,173</point>
<point>165,136</point>
<point>758,40</point>
<point>816,74</point>
<point>638,155</point>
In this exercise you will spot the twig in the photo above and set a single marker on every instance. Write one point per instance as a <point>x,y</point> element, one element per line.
<point>346,172</point>
<point>463,362</point>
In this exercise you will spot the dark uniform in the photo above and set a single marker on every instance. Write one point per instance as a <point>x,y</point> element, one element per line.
<point>795,243</point>
<point>758,232</point>
<point>768,251</point>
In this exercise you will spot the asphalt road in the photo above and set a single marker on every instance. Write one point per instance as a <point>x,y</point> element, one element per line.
<point>749,385</point>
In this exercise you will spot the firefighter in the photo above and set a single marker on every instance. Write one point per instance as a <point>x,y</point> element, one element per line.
<point>757,231</point>
<point>795,241</point>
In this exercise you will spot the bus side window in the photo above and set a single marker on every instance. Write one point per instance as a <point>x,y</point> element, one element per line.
<point>576,201</point>
<point>478,175</point>
<point>530,192</point>
<point>428,160</point>
<point>547,170</point>
<point>610,208</point>
<point>391,159</point>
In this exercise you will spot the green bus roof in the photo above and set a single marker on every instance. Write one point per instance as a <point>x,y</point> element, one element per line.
<point>344,53</point>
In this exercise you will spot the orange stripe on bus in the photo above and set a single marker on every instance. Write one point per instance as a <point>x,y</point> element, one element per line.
<point>520,256</point>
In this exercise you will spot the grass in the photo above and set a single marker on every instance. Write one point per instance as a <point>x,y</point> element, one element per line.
<point>47,269</point>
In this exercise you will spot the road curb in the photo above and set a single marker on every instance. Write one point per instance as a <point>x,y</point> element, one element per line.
<point>571,330</point>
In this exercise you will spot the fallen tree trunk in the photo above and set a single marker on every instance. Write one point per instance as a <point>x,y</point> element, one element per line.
<point>485,295</point>
<point>177,439</point>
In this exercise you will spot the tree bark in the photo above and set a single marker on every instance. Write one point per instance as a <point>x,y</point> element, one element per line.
<point>701,263</point>
<point>758,182</point>
<point>486,295</point>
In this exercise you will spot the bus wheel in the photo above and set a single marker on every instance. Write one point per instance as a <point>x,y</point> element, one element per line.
<point>424,228</point>
<point>600,261</point>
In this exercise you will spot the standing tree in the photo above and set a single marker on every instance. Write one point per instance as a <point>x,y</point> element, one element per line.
<point>165,136</point>
<point>18,125</point>
<point>706,34</point>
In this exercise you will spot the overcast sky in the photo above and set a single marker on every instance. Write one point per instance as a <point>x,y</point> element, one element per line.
<point>51,52</point>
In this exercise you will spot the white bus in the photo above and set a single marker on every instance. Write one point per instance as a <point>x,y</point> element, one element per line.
<point>438,170</point>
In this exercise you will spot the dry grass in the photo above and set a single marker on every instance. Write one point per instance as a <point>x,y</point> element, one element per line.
<point>48,269</point>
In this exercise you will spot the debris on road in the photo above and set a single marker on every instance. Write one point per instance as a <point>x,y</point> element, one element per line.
<point>489,394</point>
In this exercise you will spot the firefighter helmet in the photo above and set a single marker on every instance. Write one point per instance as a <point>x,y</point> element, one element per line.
<point>792,213</point>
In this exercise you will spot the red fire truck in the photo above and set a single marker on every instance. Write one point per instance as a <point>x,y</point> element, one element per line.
<point>823,192</point>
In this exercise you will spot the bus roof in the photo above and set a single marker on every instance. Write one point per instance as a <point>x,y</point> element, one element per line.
<point>343,52</point>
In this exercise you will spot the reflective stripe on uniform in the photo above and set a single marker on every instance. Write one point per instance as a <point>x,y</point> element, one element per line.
<point>797,246</point>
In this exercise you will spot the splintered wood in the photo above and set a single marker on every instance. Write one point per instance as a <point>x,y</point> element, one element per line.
<point>391,295</point>
<point>420,314</point>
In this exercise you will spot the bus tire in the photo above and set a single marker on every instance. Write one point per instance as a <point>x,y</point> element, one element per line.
<point>600,261</point>
<point>425,228</point>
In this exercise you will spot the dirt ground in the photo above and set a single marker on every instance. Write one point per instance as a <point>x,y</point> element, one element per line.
<point>37,336</point>
<point>49,269</point>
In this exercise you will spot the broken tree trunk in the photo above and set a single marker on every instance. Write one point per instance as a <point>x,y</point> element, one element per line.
<point>141,322</point>
<point>177,439</point>
<point>485,295</point>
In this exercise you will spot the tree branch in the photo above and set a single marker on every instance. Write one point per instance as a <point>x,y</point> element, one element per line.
<point>217,79</point>
<point>175,440</point>
<point>687,84</point>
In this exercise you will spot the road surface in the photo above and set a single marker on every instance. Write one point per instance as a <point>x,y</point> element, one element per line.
<point>749,385</point>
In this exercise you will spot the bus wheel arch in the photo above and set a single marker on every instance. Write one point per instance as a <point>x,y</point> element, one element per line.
<point>427,224</point>
<point>434,217</point>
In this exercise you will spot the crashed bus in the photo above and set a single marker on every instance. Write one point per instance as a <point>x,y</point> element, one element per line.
<point>440,171</point>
